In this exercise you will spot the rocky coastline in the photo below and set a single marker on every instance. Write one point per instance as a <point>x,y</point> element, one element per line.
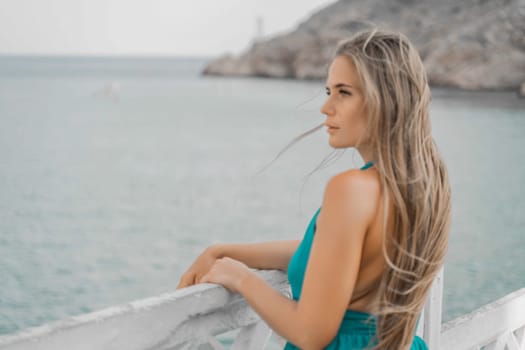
<point>473,44</point>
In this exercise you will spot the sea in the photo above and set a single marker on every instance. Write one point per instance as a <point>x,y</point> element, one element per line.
<point>116,172</point>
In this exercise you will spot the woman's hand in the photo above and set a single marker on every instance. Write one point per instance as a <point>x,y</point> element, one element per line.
<point>228,272</point>
<point>199,268</point>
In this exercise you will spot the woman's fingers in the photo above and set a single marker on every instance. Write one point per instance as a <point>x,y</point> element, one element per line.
<point>203,279</point>
<point>186,280</point>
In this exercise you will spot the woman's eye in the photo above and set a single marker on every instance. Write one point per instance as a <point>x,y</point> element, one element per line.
<point>342,92</point>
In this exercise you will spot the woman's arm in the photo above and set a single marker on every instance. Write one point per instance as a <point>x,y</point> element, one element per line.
<point>311,323</point>
<point>265,255</point>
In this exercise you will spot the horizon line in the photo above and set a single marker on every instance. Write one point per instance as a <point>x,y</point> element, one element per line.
<point>116,56</point>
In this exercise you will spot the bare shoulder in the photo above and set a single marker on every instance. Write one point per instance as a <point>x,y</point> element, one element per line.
<point>356,180</point>
<point>356,190</point>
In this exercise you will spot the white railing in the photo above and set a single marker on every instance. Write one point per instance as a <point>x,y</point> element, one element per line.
<point>499,325</point>
<point>185,319</point>
<point>195,318</point>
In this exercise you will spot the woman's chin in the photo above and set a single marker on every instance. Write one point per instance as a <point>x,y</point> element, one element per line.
<point>335,144</point>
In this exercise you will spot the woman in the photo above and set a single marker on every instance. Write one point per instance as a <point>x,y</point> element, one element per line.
<point>361,274</point>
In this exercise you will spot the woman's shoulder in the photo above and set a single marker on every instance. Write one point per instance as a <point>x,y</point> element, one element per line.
<point>360,182</point>
<point>355,188</point>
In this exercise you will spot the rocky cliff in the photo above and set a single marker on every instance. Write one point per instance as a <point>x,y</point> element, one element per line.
<point>471,44</point>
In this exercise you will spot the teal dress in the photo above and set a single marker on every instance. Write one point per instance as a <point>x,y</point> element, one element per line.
<point>357,328</point>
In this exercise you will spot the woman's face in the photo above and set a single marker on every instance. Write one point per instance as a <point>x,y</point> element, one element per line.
<point>346,115</point>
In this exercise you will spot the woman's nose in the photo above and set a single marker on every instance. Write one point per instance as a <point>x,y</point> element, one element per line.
<point>327,107</point>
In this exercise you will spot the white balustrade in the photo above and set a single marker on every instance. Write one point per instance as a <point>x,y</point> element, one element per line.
<point>499,325</point>
<point>197,318</point>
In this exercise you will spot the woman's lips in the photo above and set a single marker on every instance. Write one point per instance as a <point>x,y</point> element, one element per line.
<point>331,129</point>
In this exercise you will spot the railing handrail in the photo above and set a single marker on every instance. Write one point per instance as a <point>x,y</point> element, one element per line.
<point>188,317</point>
<point>492,323</point>
<point>162,322</point>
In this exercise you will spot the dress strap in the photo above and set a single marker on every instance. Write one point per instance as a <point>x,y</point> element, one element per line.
<point>367,165</point>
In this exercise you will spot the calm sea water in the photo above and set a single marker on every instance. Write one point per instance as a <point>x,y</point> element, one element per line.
<point>116,173</point>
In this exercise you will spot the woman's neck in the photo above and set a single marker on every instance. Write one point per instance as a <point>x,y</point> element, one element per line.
<point>366,153</point>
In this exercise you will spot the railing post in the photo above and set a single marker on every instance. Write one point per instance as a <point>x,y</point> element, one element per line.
<point>432,312</point>
<point>253,337</point>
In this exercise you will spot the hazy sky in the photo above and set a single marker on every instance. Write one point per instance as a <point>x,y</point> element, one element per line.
<point>143,27</point>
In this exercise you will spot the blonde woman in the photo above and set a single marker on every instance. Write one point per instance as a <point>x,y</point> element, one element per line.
<point>361,273</point>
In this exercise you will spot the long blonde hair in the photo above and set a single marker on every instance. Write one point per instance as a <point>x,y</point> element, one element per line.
<point>412,174</point>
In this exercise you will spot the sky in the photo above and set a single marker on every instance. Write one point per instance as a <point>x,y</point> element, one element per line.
<point>144,27</point>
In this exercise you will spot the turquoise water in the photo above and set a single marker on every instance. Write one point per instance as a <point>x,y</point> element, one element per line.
<point>116,173</point>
